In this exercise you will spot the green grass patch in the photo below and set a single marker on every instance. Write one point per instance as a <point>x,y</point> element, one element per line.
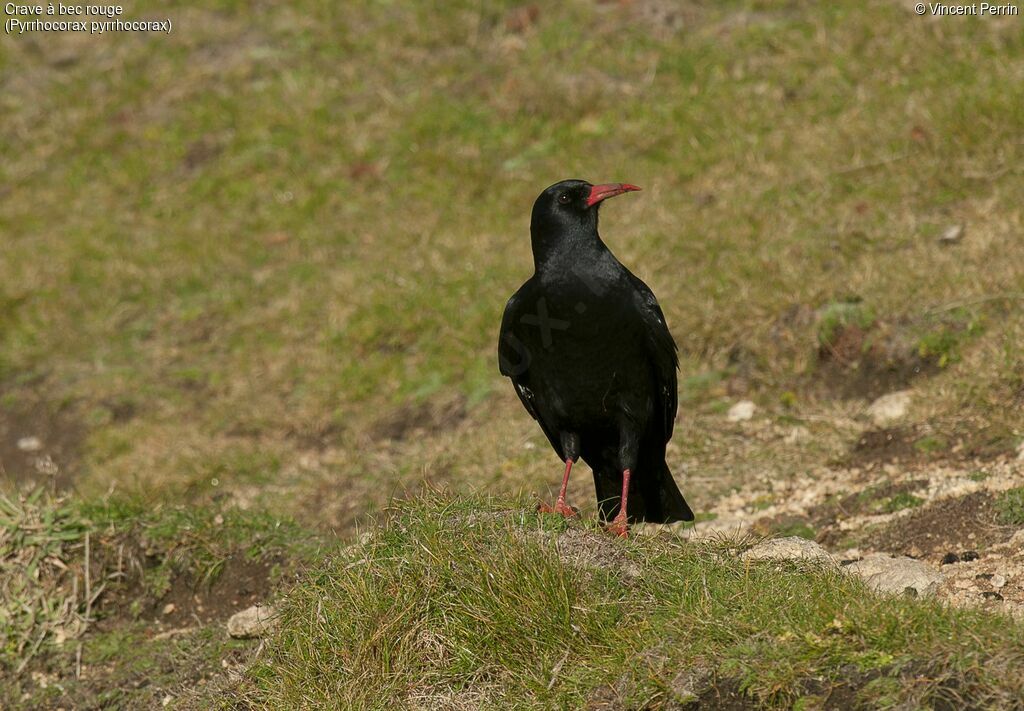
<point>797,528</point>
<point>943,344</point>
<point>900,501</point>
<point>931,444</point>
<point>836,316</point>
<point>1010,507</point>
<point>455,602</point>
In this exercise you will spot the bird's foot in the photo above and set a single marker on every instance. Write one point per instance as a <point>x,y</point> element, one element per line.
<point>559,507</point>
<point>618,526</point>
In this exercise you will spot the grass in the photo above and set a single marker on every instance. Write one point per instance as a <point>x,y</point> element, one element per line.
<point>901,501</point>
<point>472,603</point>
<point>239,258</point>
<point>836,316</point>
<point>251,261</point>
<point>53,596</point>
<point>1010,507</point>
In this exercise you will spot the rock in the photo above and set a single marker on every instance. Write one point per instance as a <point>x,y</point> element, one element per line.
<point>30,444</point>
<point>252,622</point>
<point>952,235</point>
<point>889,408</point>
<point>788,548</point>
<point>998,581</point>
<point>169,608</point>
<point>741,411</point>
<point>901,574</point>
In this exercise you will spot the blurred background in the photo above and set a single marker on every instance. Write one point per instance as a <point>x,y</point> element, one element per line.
<point>260,262</point>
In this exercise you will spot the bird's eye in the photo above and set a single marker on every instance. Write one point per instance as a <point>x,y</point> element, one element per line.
<point>564,198</point>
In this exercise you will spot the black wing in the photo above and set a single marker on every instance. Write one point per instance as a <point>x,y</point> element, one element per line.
<point>514,363</point>
<point>662,351</point>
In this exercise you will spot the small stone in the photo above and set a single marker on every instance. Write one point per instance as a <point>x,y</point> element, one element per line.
<point>901,574</point>
<point>968,556</point>
<point>252,622</point>
<point>741,411</point>
<point>991,595</point>
<point>788,548</point>
<point>952,235</point>
<point>998,581</point>
<point>950,558</point>
<point>889,408</point>
<point>30,444</point>
<point>169,608</point>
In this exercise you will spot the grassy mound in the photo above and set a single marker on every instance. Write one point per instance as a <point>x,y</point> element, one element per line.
<point>460,604</point>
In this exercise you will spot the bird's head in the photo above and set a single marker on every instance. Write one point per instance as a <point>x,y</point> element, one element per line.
<point>571,204</point>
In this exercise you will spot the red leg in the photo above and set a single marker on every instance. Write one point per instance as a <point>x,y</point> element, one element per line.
<point>619,526</point>
<point>560,506</point>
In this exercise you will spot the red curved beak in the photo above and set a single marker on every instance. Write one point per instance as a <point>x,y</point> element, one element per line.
<point>603,192</point>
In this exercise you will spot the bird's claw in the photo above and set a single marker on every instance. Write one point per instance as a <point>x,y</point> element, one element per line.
<point>618,527</point>
<point>559,507</point>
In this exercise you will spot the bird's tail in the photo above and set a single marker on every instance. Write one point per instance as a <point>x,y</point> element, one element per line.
<point>653,494</point>
<point>663,502</point>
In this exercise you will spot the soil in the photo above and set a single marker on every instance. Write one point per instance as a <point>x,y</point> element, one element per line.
<point>865,501</point>
<point>240,584</point>
<point>883,446</point>
<point>60,435</point>
<point>419,418</point>
<point>188,602</point>
<point>868,363</point>
<point>954,525</point>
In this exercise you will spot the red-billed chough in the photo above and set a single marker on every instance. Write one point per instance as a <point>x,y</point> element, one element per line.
<point>592,360</point>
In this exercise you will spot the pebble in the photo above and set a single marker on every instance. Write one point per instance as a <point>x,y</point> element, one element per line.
<point>30,444</point>
<point>741,411</point>
<point>252,622</point>
<point>886,574</point>
<point>952,234</point>
<point>889,408</point>
<point>788,548</point>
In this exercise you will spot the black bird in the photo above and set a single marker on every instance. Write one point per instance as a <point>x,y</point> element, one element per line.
<point>592,360</point>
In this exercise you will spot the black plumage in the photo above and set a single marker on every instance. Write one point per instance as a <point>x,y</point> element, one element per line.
<point>592,360</point>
